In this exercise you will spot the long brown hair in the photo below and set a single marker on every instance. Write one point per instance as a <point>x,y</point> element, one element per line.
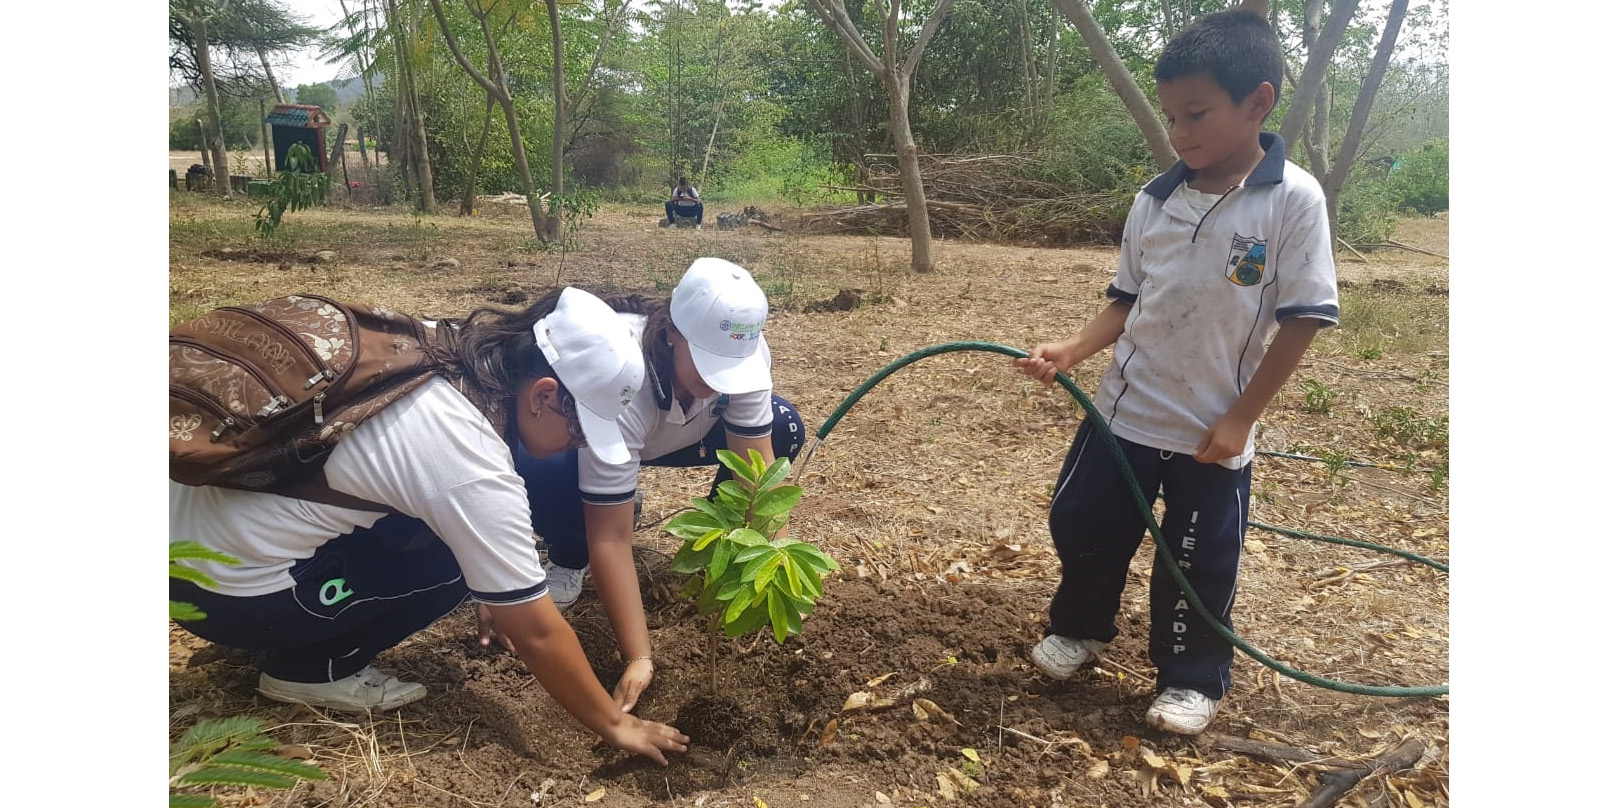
<point>492,350</point>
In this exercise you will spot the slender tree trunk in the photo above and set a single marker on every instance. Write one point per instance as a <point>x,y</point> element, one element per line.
<point>206,145</point>
<point>1050,73</point>
<point>895,69</point>
<point>401,145</point>
<point>544,227</point>
<point>264,137</point>
<point>712,135</point>
<point>1348,152</point>
<point>215,138</point>
<point>269,74</point>
<point>370,92</point>
<point>415,129</point>
<point>468,200</point>
<point>858,112</point>
<point>1319,61</point>
<point>1122,81</point>
<point>1319,135</point>
<point>1030,68</point>
<point>909,178</point>
<point>558,77</point>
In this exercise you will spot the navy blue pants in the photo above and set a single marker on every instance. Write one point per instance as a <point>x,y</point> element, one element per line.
<point>1097,527</point>
<point>357,596</point>
<point>687,211</point>
<point>558,506</point>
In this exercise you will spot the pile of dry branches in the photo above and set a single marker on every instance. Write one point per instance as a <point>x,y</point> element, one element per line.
<point>983,197</point>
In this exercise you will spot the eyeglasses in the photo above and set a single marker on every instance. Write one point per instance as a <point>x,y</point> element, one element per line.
<point>575,429</point>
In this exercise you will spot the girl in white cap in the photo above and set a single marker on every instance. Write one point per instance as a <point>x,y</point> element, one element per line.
<point>322,589</point>
<point>708,387</point>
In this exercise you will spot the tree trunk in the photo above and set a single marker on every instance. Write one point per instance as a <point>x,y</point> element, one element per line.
<point>334,157</point>
<point>544,227</point>
<point>370,94</point>
<point>858,111</point>
<point>895,69</point>
<point>1122,81</point>
<point>909,178</point>
<point>264,137</point>
<point>401,145</point>
<point>1348,153</point>
<point>559,77</point>
<point>415,129</point>
<point>1030,69</point>
<point>269,74</point>
<point>1319,135</point>
<point>712,135</point>
<point>205,145</point>
<point>468,200</point>
<point>1319,61</point>
<point>215,138</point>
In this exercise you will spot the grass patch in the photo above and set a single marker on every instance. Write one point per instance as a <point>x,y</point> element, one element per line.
<point>1386,318</point>
<point>1412,429</point>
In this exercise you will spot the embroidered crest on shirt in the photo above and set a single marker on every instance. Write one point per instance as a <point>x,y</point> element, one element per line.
<point>1245,267</point>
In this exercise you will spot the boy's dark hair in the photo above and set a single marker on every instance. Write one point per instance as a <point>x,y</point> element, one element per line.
<point>1237,48</point>
<point>683,181</point>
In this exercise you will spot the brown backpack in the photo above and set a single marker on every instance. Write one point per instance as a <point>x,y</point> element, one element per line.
<point>260,394</point>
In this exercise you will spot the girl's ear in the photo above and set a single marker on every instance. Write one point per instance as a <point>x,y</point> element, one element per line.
<point>535,393</point>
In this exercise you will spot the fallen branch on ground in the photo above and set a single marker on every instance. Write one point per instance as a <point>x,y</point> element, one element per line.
<point>1338,775</point>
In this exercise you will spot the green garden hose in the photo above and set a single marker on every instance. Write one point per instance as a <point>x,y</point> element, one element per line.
<point>1150,518</point>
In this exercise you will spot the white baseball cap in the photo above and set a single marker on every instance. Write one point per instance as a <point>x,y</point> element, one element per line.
<point>591,349</point>
<point>721,311</point>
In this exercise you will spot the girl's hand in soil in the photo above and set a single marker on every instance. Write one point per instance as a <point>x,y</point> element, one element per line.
<point>633,682</point>
<point>647,738</point>
<point>486,629</point>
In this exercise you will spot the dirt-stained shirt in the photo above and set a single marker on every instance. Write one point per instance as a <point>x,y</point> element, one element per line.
<point>1209,278</point>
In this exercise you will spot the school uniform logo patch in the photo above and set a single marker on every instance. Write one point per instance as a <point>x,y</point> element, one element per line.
<point>1245,267</point>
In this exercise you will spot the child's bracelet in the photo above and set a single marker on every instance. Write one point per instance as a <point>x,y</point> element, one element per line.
<point>646,657</point>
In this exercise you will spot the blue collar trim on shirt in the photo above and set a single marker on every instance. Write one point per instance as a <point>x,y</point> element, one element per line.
<point>1271,169</point>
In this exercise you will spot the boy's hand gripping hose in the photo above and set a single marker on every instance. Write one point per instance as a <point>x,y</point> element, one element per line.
<point>1144,505</point>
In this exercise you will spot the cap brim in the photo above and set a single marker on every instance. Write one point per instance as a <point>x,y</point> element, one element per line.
<point>605,439</point>
<point>732,375</point>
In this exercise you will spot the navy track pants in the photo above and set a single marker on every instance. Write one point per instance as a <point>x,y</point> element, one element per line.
<point>1097,528</point>
<point>357,596</point>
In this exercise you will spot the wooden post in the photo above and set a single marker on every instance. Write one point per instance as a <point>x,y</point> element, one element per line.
<point>336,150</point>
<point>263,128</point>
<point>206,162</point>
<point>336,156</point>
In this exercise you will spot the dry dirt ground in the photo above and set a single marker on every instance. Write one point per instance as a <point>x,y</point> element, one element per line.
<point>932,495</point>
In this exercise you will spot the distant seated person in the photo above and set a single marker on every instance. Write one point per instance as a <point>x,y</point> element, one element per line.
<point>686,203</point>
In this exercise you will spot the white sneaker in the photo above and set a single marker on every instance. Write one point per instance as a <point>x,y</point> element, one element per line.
<point>1061,657</point>
<point>566,584</point>
<point>370,689</point>
<point>698,228</point>
<point>1182,710</point>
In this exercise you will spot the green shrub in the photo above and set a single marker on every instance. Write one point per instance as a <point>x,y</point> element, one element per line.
<point>1419,181</point>
<point>1367,210</point>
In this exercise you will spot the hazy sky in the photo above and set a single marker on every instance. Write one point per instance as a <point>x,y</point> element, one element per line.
<point>306,66</point>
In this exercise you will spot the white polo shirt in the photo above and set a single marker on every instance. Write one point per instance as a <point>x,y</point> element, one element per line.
<point>651,431</point>
<point>1210,278</point>
<point>431,454</point>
